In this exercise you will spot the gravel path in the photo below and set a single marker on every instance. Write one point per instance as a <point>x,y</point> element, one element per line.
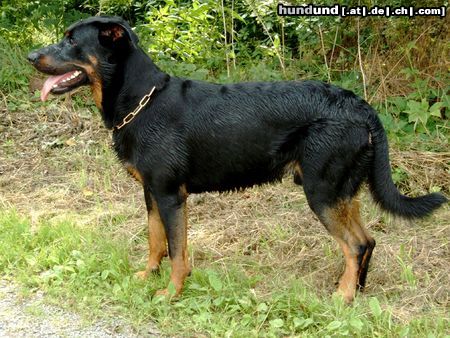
<point>31,317</point>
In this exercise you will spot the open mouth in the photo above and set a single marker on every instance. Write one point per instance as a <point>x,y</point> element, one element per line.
<point>60,84</point>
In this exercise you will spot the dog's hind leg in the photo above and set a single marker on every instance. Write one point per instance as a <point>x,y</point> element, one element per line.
<point>334,166</point>
<point>343,222</point>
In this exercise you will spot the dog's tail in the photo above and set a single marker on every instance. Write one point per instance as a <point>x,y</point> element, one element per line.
<point>382,187</point>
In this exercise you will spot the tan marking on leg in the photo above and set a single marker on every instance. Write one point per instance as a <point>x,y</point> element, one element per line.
<point>180,262</point>
<point>341,222</point>
<point>135,173</point>
<point>157,242</point>
<point>180,270</point>
<point>348,280</point>
<point>355,225</point>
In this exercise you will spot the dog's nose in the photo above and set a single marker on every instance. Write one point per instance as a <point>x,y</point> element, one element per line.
<point>33,57</point>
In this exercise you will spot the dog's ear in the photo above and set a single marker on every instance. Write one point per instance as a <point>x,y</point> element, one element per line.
<point>116,34</point>
<point>113,30</point>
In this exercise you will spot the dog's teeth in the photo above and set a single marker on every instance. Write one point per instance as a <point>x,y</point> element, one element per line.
<point>55,86</point>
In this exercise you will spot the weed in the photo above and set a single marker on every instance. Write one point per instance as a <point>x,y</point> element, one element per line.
<point>407,273</point>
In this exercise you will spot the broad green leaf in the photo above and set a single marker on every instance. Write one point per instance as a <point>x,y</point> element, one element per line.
<point>334,325</point>
<point>276,323</point>
<point>262,307</point>
<point>215,282</point>
<point>435,109</point>
<point>375,307</point>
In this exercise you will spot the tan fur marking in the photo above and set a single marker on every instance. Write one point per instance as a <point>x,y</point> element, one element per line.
<point>96,83</point>
<point>157,242</point>
<point>298,169</point>
<point>134,172</point>
<point>348,280</point>
<point>344,224</point>
<point>97,94</point>
<point>93,60</point>
<point>45,61</point>
<point>180,262</point>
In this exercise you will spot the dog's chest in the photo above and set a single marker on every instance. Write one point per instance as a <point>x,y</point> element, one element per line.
<point>124,147</point>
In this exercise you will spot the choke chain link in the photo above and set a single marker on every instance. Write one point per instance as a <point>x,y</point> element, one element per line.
<point>142,103</point>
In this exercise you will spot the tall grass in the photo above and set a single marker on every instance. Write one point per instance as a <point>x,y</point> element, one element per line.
<point>14,68</point>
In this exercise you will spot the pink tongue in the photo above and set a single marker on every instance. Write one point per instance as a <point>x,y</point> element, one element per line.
<point>51,81</point>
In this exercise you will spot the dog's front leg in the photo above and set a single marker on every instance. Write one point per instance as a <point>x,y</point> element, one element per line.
<point>157,243</point>
<point>172,209</point>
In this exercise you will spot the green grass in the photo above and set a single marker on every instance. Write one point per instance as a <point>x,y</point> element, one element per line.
<point>14,68</point>
<point>87,269</point>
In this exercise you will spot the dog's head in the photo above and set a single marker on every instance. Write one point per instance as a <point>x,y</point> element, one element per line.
<point>88,52</point>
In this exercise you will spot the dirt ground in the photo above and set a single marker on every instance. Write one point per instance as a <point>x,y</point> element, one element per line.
<point>23,317</point>
<point>57,163</point>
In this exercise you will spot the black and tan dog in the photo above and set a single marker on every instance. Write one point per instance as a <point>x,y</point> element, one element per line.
<point>178,136</point>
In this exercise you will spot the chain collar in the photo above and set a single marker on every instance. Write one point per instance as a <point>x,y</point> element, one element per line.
<point>127,119</point>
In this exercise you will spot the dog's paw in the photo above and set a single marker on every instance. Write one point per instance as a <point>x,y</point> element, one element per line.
<point>172,291</point>
<point>348,297</point>
<point>145,273</point>
<point>163,292</point>
<point>142,275</point>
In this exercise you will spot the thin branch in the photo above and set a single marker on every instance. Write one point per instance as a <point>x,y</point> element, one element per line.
<point>232,34</point>
<point>334,46</point>
<point>225,36</point>
<point>361,64</point>
<point>324,54</point>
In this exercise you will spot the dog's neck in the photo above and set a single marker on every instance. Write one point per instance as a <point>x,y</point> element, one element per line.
<point>137,75</point>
